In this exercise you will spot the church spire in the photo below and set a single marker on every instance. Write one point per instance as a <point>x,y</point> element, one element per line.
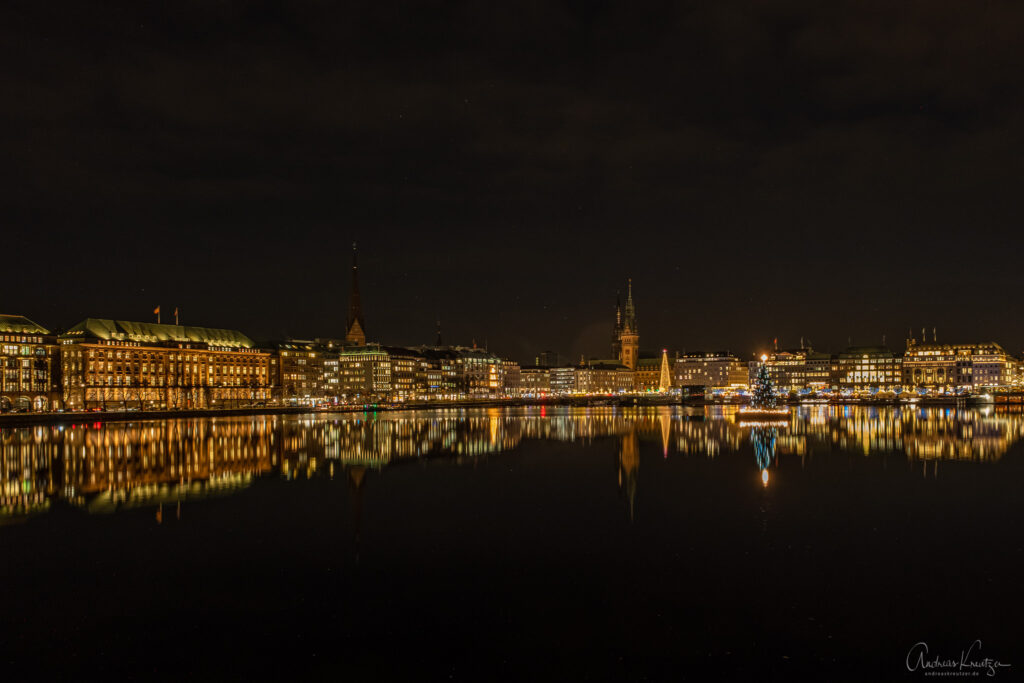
<point>356,330</point>
<point>630,321</point>
<point>617,330</point>
<point>627,346</point>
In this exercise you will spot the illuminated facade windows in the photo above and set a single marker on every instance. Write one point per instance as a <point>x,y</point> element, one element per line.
<point>140,366</point>
<point>30,369</point>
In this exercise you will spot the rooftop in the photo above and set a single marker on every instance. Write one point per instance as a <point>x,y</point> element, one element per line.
<point>156,333</point>
<point>19,324</point>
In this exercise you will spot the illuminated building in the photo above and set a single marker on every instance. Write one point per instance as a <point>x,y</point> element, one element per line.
<point>563,380</point>
<point>481,373</point>
<point>440,373</point>
<point>511,379</point>
<point>798,369</point>
<point>404,366</point>
<point>30,369</point>
<point>535,381</point>
<point>626,342</point>
<point>364,373</point>
<point>718,370</point>
<point>429,375</point>
<point>947,367</point>
<point>123,364</point>
<point>647,375</point>
<point>861,368</point>
<point>603,377</point>
<point>307,373</point>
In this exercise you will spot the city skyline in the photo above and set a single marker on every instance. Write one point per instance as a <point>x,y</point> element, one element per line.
<point>352,311</point>
<point>547,340</point>
<point>748,171</point>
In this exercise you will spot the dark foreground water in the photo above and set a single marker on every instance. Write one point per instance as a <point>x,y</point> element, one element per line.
<point>644,544</point>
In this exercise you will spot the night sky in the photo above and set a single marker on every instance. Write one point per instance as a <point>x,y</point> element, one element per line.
<point>828,169</point>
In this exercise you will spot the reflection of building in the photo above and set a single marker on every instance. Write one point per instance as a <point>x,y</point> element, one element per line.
<point>30,369</point>
<point>107,466</point>
<point>111,363</point>
<point>629,465</point>
<point>125,464</point>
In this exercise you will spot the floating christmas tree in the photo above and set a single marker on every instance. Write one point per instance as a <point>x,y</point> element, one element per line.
<point>764,392</point>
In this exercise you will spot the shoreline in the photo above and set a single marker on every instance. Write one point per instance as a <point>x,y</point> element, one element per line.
<point>29,419</point>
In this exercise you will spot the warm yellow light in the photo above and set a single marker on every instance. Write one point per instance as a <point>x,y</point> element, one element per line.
<point>764,477</point>
<point>764,357</point>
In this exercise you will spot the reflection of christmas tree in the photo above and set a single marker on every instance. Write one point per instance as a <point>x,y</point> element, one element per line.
<point>764,392</point>
<point>763,439</point>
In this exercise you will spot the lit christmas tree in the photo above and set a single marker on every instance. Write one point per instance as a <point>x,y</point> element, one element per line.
<point>764,392</point>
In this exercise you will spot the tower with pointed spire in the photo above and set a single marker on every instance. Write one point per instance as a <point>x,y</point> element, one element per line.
<point>355,330</point>
<point>617,331</point>
<point>628,342</point>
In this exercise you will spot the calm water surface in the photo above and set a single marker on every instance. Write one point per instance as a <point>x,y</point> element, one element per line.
<point>603,543</point>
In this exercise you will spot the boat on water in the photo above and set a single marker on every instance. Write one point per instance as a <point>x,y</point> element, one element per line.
<point>755,412</point>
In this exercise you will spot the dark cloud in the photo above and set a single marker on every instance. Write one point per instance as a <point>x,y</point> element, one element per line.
<point>760,169</point>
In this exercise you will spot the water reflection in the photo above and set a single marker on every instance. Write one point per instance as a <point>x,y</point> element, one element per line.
<point>103,467</point>
<point>764,439</point>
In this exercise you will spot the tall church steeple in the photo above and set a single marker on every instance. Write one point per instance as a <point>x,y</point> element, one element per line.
<point>617,331</point>
<point>356,330</point>
<point>630,322</point>
<point>628,345</point>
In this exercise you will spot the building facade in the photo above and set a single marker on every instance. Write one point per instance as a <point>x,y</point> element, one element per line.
<point>626,338</point>
<point>953,367</point>
<point>604,378</point>
<point>864,368</point>
<point>714,370</point>
<point>30,368</point>
<point>118,364</point>
<point>307,373</point>
<point>535,382</point>
<point>364,374</point>
<point>563,380</point>
<point>797,369</point>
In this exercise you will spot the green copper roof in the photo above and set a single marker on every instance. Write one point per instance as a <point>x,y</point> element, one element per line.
<point>124,330</point>
<point>19,324</point>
